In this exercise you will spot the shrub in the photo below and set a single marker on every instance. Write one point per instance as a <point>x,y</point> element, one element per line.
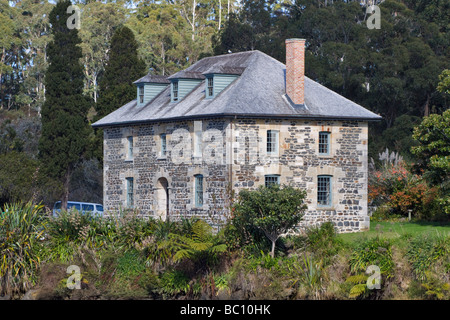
<point>21,228</point>
<point>272,210</point>
<point>375,251</point>
<point>201,246</point>
<point>423,251</point>
<point>322,240</point>
<point>174,282</point>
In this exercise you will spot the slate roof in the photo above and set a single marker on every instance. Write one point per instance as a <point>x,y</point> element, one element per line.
<point>151,78</point>
<point>259,91</point>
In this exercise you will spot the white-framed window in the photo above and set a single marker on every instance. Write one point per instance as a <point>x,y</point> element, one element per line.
<point>270,179</point>
<point>324,194</point>
<point>141,94</point>
<point>198,190</point>
<point>163,140</point>
<point>130,192</point>
<point>175,91</point>
<point>210,87</point>
<point>324,143</point>
<point>272,141</point>
<point>130,147</point>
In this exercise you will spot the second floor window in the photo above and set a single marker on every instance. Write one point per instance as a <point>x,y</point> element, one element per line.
<point>272,141</point>
<point>130,147</point>
<point>324,143</point>
<point>163,145</point>
<point>141,94</point>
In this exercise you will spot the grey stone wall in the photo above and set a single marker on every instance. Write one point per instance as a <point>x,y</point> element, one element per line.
<point>233,157</point>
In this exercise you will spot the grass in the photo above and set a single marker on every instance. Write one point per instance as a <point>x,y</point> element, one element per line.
<point>394,230</point>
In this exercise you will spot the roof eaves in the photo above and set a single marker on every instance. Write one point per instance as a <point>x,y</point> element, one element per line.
<point>239,116</point>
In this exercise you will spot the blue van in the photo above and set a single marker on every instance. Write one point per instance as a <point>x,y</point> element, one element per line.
<point>84,207</point>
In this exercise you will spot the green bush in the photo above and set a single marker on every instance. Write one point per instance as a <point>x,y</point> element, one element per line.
<point>173,283</point>
<point>270,211</point>
<point>322,240</point>
<point>424,250</point>
<point>376,251</point>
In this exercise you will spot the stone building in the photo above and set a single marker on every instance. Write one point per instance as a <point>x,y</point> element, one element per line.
<point>237,121</point>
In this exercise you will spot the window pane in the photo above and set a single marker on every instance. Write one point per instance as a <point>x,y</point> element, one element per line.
<point>324,142</point>
<point>175,91</point>
<point>88,207</point>
<point>99,208</point>
<point>163,144</point>
<point>271,179</point>
<point>73,205</point>
<point>210,87</point>
<point>324,190</point>
<point>272,141</point>
<point>130,147</point>
<point>130,198</point>
<point>141,94</point>
<point>198,190</point>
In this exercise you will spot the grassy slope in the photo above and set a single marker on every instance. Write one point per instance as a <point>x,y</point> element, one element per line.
<point>393,230</point>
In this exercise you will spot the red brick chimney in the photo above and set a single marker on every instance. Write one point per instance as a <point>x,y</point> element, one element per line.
<point>295,70</point>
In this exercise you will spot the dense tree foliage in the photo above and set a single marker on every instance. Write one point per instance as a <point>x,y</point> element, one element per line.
<point>65,132</point>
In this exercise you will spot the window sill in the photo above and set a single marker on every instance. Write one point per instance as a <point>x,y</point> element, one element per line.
<point>325,208</point>
<point>129,160</point>
<point>161,158</point>
<point>326,156</point>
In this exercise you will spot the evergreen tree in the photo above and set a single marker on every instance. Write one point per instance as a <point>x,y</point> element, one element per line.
<point>64,114</point>
<point>116,86</point>
<point>122,69</point>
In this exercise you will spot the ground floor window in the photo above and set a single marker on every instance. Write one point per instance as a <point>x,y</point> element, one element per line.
<point>130,197</point>
<point>198,190</point>
<point>271,179</point>
<point>324,190</point>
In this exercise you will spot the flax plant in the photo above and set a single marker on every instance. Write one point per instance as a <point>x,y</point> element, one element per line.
<point>22,227</point>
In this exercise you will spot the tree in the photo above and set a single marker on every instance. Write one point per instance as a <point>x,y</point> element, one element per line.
<point>65,128</point>
<point>122,69</point>
<point>433,135</point>
<point>116,86</point>
<point>274,210</point>
<point>100,20</point>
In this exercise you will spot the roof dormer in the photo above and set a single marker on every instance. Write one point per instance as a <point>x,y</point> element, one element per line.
<point>182,83</point>
<point>218,78</point>
<point>149,87</point>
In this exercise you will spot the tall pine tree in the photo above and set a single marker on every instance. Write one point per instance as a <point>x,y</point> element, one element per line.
<point>65,127</point>
<point>116,86</point>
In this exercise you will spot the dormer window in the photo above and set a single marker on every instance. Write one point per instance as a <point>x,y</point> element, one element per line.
<point>209,87</point>
<point>141,94</point>
<point>148,87</point>
<point>175,91</point>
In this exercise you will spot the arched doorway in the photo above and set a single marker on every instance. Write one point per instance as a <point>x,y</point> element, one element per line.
<point>162,199</point>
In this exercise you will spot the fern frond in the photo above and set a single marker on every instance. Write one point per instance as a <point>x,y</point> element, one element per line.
<point>357,290</point>
<point>357,279</point>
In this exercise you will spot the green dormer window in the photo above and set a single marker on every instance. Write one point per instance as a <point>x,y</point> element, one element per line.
<point>149,87</point>
<point>210,87</point>
<point>215,83</point>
